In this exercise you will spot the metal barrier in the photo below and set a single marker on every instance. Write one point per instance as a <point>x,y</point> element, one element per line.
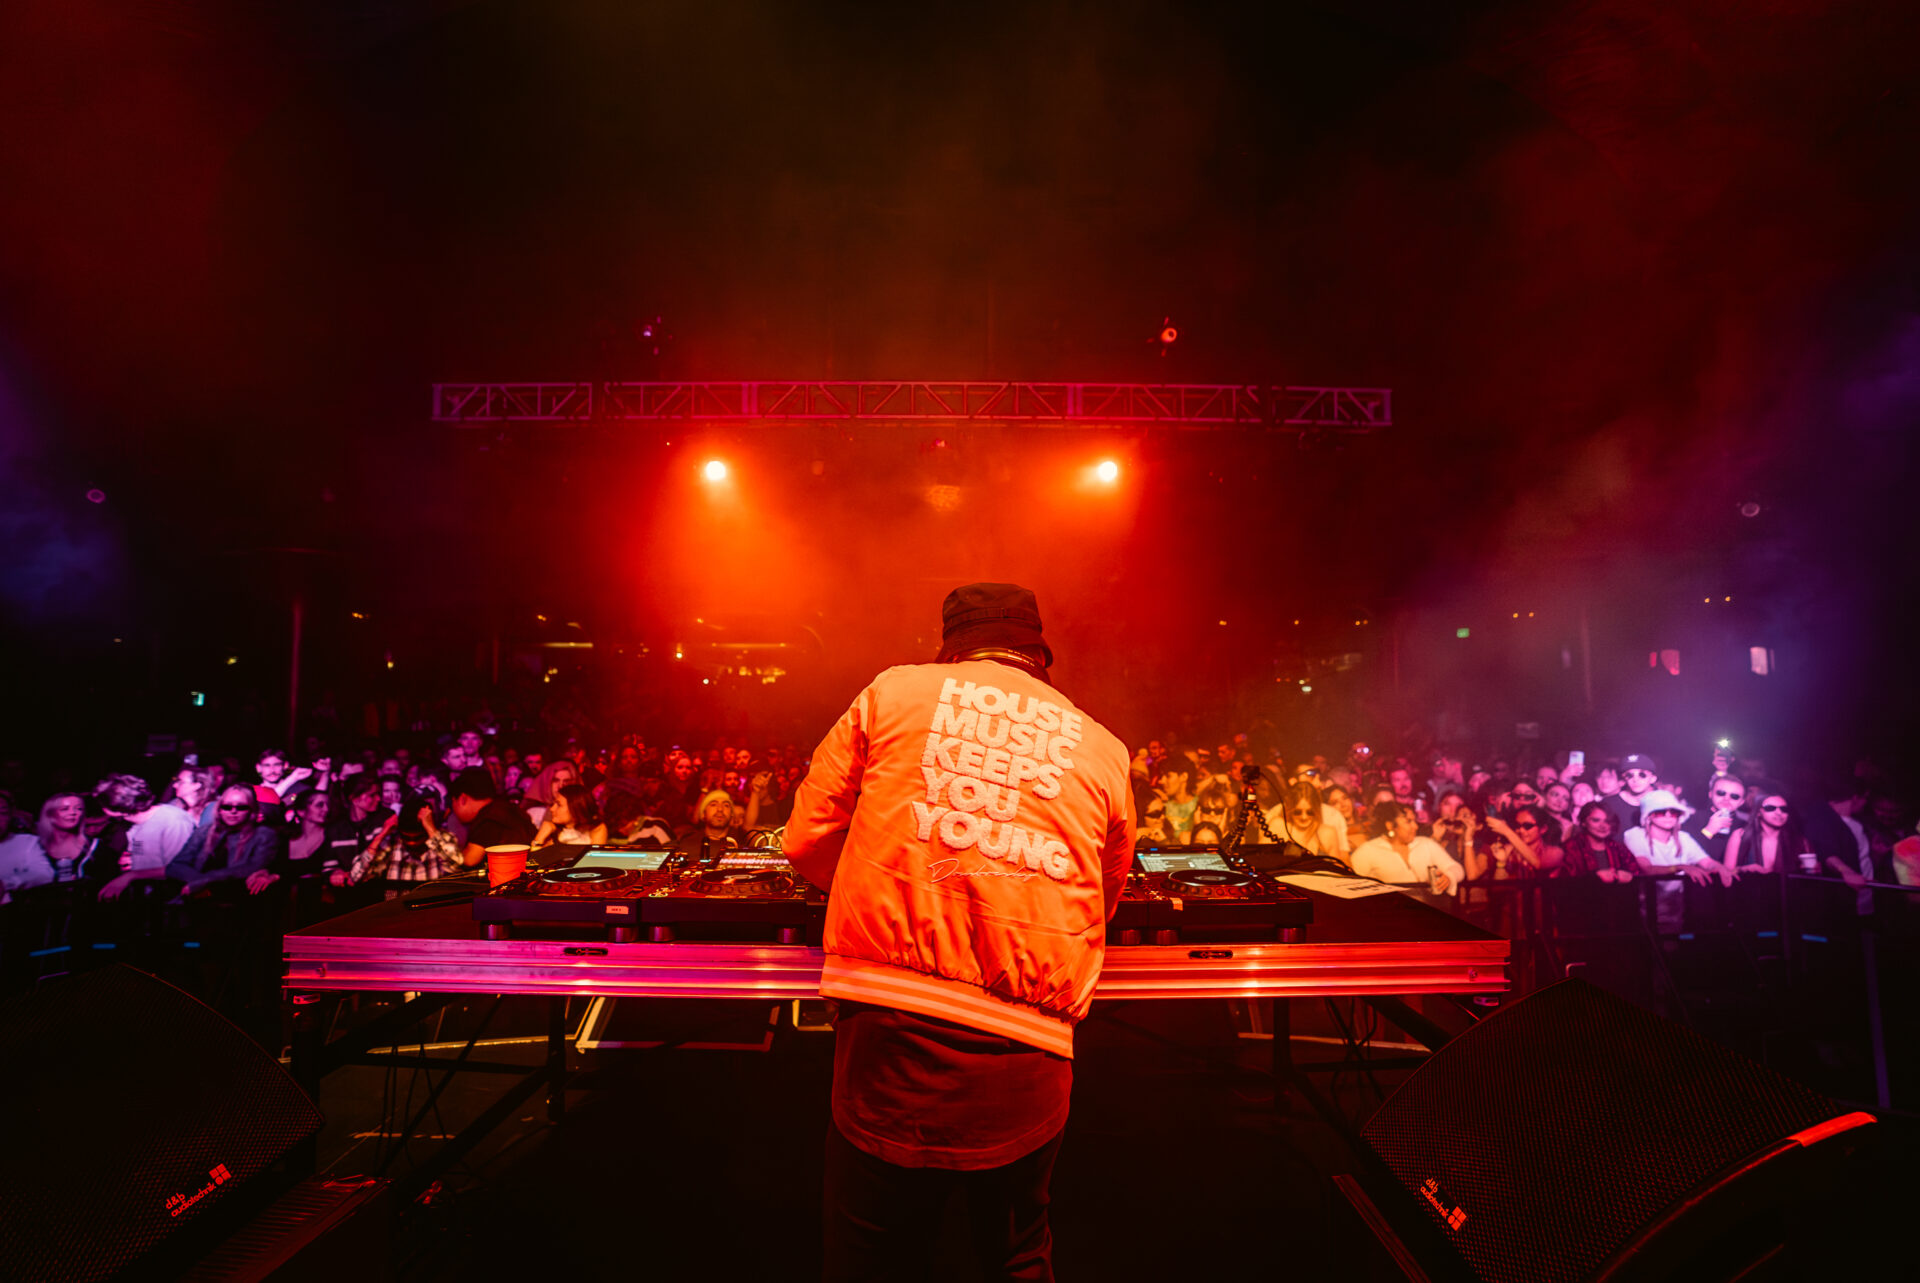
<point>1764,935</point>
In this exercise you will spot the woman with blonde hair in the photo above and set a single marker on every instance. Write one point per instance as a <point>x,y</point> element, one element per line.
<point>552,777</point>
<point>61,835</point>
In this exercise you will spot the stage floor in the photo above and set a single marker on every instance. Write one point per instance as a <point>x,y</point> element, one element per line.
<point>697,1111</point>
<point>706,1163</point>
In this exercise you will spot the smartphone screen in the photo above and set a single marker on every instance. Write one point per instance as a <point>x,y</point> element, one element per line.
<point>1577,757</point>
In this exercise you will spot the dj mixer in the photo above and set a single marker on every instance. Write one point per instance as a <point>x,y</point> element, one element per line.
<point>1173,895</point>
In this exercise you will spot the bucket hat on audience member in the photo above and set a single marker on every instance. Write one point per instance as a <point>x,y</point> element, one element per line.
<point>1658,800</point>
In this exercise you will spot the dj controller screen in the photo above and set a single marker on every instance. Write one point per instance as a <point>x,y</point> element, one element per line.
<point>1176,861</point>
<point>641,861</point>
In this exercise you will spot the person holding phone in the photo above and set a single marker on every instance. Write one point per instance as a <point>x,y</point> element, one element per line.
<point>1401,855</point>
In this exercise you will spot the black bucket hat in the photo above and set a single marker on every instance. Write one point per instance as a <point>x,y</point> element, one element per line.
<point>976,615</point>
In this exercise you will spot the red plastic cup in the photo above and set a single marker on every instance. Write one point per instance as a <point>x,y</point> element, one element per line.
<point>505,863</point>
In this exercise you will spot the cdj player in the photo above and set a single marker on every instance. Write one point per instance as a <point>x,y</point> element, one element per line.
<point>737,895</point>
<point>1175,895</point>
<point>1187,894</point>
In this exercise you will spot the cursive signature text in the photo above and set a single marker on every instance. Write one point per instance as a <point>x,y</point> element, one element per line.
<point>944,869</point>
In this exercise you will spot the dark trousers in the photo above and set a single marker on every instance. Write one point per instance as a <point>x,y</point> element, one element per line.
<point>882,1220</point>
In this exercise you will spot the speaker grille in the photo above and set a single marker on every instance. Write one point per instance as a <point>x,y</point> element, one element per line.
<point>132,1111</point>
<point>1556,1129</point>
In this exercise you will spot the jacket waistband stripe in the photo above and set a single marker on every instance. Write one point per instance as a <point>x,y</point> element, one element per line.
<point>948,990</point>
<point>974,1017</point>
<point>905,983</point>
<point>891,986</point>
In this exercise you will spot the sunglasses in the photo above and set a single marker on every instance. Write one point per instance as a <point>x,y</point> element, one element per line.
<point>231,806</point>
<point>1670,811</point>
<point>1526,824</point>
<point>1774,806</point>
<point>1735,796</point>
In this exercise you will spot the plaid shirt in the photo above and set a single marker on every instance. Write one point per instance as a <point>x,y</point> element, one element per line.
<point>388,857</point>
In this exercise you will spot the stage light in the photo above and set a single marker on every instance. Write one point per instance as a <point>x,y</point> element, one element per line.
<point>715,470</point>
<point>1108,471</point>
<point>96,496</point>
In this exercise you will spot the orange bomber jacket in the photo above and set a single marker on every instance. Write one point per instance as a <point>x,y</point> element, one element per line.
<point>973,829</point>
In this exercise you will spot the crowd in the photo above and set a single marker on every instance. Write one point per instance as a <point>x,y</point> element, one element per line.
<point>334,830</point>
<point>379,818</point>
<point>1446,822</point>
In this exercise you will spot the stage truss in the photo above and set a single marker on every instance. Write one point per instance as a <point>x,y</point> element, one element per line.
<point>1063,405</point>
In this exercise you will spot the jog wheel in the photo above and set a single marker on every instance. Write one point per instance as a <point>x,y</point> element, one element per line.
<point>767,883</point>
<point>587,882</point>
<point>1222,884</point>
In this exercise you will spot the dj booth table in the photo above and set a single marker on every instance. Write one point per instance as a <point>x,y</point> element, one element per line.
<point>1379,948</point>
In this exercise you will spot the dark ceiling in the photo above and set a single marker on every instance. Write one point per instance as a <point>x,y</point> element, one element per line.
<point>1627,264</point>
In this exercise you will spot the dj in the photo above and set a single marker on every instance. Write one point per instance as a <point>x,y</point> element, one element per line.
<point>973,829</point>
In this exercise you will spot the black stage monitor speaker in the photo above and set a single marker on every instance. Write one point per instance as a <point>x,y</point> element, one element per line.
<point>133,1113</point>
<point>1574,1135</point>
